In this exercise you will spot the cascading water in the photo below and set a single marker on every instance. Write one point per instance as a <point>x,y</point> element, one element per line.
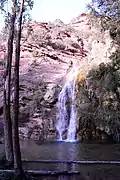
<point>72,125</point>
<point>66,122</point>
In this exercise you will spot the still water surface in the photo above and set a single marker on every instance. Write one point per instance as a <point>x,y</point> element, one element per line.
<point>32,150</point>
<point>36,151</point>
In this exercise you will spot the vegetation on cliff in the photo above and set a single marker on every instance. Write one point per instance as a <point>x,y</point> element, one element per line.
<point>99,93</point>
<point>98,97</point>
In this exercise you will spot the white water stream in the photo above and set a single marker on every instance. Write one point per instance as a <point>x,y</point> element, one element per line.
<point>66,120</point>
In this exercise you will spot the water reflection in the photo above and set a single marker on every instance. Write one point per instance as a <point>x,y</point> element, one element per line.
<point>64,152</point>
<point>32,150</point>
<point>73,151</point>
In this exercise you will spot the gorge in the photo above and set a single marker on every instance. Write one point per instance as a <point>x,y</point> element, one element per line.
<point>58,61</point>
<point>60,93</point>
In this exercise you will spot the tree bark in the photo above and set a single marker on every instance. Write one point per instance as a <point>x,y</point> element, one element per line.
<point>16,144</point>
<point>7,88</point>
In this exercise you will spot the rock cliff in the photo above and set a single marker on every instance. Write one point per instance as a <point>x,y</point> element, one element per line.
<point>48,53</point>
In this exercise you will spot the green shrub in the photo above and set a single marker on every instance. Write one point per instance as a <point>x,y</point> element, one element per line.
<point>102,96</point>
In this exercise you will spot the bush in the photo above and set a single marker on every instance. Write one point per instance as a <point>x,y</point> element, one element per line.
<point>36,53</point>
<point>75,45</point>
<point>2,63</point>
<point>57,45</point>
<point>102,97</point>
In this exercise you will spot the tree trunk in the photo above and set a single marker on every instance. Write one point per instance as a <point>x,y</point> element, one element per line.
<point>7,82</point>
<point>16,145</point>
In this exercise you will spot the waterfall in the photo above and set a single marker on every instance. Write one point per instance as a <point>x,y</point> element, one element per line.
<point>72,125</point>
<point>66,119</point>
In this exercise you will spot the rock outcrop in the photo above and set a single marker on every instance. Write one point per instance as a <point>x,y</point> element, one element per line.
<point>48,53</point>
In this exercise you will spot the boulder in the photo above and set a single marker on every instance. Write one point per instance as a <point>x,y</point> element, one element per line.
<point>51,95</point>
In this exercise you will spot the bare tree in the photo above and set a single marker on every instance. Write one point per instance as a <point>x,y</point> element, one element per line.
<point>14,21</point>
<point>7,87</point>
<point>16,145</point>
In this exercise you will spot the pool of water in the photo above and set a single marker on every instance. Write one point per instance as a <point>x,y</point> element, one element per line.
<point>58,150</point>
<point>36,151</point>
<point>74,151</point>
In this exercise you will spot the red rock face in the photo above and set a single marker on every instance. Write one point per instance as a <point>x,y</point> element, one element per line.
<point>57,45</point>
<point>48,53</point>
